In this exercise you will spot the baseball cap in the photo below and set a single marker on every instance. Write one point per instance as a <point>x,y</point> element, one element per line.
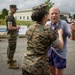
<point>14,7</point>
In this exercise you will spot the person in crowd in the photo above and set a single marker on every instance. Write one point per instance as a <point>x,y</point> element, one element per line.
<point>12,29</point>
<point>39,39</point>
<point>72,26</point>
<point>57,57</point>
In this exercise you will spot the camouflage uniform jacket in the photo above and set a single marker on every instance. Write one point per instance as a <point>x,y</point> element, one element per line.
<point>35,59</point>
<point>10,18</point>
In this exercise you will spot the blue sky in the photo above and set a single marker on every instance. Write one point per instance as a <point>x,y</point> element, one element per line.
<point>63,5</point>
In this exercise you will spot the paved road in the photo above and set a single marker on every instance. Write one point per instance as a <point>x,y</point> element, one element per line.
<point>21,46</point>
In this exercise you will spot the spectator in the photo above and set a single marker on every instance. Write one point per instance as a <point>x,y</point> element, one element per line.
<point>57,57</point>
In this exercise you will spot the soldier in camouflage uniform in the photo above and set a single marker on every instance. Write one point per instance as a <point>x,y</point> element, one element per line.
<point>12,29</point>
<point>39,39</point>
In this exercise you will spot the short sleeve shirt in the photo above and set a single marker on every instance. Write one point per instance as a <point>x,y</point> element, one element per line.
<point>11,20</point>
<point>66,33</point>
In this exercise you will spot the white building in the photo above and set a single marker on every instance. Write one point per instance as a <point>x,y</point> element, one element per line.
<point>25,15</point>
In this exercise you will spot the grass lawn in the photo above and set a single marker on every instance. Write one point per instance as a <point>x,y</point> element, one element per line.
<point>27,23</point>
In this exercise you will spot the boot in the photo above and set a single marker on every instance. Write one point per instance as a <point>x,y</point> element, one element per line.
<point>13,66</point>
<point>10,61</point>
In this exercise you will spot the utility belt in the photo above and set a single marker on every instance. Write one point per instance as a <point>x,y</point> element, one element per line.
<point>11,31</point>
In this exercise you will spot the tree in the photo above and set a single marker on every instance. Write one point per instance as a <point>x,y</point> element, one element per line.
<point>49,3</point>
<point>0,16</point>
<point>4,13</point>
<point>74,16</point>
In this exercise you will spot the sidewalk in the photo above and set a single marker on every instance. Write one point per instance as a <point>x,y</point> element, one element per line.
<point>21,47</point>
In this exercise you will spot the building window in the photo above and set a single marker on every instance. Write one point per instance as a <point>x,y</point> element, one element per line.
<point>20,17</point>
<point>23,17</point>
<point>27,17</point>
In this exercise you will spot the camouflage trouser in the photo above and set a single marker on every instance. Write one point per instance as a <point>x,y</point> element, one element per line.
<point>11,48</point>
<point>24,72</point>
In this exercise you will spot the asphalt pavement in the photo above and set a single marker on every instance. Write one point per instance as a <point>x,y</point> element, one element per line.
<point>21,47</point>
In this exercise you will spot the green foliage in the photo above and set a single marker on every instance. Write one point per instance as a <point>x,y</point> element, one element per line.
<point>2,22</point>
<point>4,13</point>
<point>50,4</point>
<point>0,16</point>
<point>74,16</point>
<point>27,23</point>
